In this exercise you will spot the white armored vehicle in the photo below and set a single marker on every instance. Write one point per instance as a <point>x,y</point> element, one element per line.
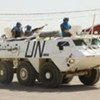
<point>52,61</point>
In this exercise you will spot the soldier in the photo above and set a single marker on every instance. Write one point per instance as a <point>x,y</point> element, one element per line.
<point>28,31</point>
<point>65,27</point>
<point>17,30</point>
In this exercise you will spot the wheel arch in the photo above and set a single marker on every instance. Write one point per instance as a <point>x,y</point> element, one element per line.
<point>44,61</point>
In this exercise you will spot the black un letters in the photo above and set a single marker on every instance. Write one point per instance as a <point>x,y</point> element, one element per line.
<point>36,46</point>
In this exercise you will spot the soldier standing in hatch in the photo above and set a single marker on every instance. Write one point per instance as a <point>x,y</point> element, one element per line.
<point>17,30</point>
<point>28,31</point>
<point>65,27</point>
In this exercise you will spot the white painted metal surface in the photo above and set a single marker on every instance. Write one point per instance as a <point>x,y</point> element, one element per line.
<point>69,54</point>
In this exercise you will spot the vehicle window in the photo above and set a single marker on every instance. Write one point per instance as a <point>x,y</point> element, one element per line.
<point>79,42</point>
<point>96,41</point>
<point>61,44</point>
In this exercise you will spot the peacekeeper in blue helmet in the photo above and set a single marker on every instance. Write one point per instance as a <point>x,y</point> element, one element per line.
<point>28,31</point>
<point>65,27</point>
<point>17,30</point>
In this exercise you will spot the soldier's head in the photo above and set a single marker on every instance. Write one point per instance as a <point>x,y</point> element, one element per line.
<point>18,24</point>
<point>66,19</point>
<point>28,27</point>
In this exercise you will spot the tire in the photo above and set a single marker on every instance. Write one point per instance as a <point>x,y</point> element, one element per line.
<point>66,80</point>
<point>50,76</point>
<point>92,77</point>
<point>26,74</point>
<point>6,72</point>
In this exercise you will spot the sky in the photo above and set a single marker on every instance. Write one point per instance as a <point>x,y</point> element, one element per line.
<point>47,5</point>
<point>44,6</point>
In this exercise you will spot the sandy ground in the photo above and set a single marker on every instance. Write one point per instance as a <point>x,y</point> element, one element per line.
<point>74,91</point>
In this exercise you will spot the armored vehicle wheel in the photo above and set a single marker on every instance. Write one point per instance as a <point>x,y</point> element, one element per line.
<point>6,72</point>
<point>26,74</point>
<point>66,80</point>
<point>92,77</point>
<point>50,76</point>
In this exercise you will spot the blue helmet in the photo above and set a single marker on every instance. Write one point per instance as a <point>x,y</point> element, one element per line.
<point>18,23</point>
<point>66,19</point>
<point>28,27</point>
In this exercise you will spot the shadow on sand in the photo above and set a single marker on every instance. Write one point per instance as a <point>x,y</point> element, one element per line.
<point>39,88</point>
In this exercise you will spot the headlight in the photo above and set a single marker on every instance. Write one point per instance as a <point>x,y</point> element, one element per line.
<point>71,61</point>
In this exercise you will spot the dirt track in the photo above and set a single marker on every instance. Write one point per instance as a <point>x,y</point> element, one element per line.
<point>75,91</point>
